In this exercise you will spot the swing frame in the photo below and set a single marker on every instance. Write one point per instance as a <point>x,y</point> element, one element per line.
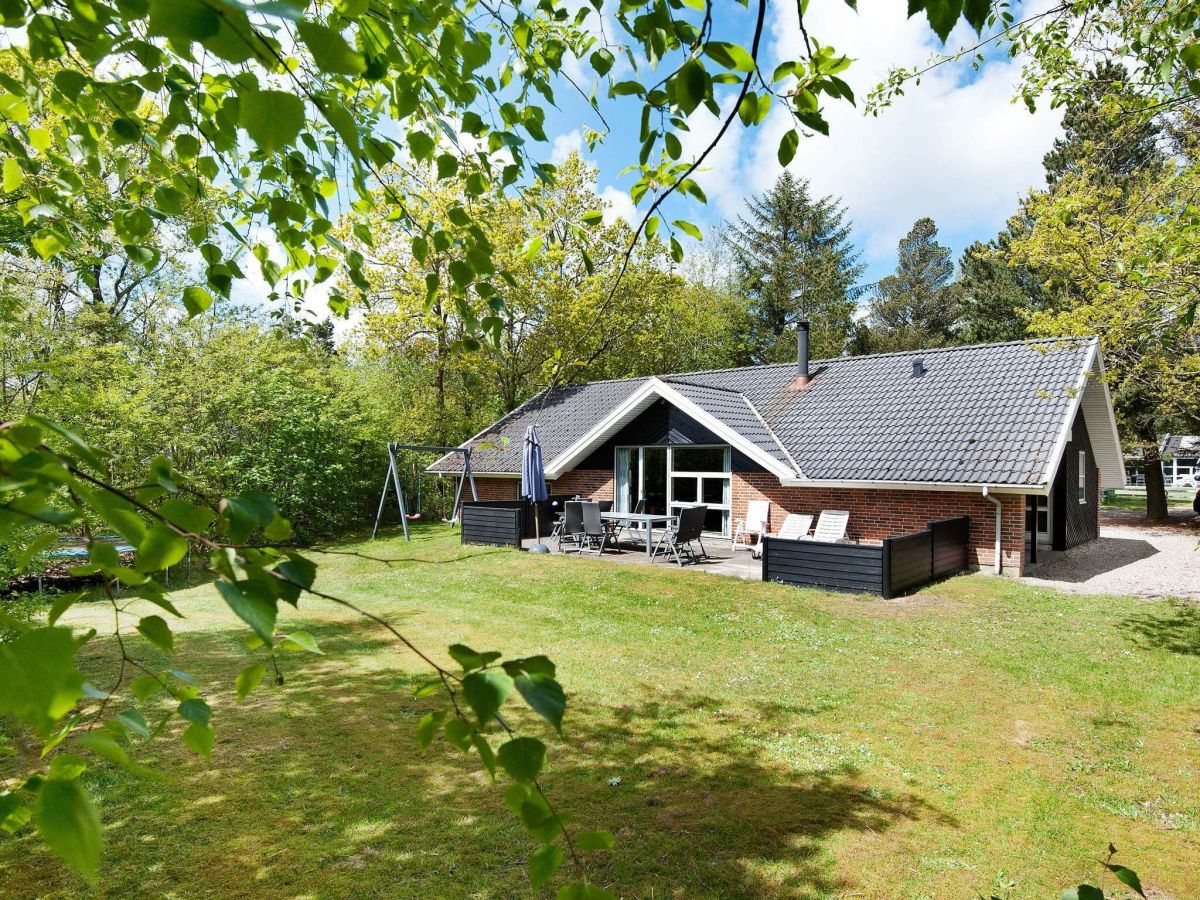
<point>392,479</point>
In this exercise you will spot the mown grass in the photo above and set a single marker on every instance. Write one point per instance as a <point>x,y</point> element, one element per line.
<point>741,739</point>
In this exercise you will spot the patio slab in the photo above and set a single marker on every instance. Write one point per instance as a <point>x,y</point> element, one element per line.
<point>723,560</point>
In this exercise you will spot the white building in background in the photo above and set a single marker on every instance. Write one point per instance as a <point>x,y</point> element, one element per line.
<point>1180,454</point>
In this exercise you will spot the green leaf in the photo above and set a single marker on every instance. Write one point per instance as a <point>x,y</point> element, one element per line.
<point>134,722</point>
<point>690,85</point>
<point>199,739</point>
<point>273,119</point>
<point>522,758</point>
<point>731,56</point>
<point>543,864</point>
<point>1189,55</point>
<point>39,681</point>
<point>428,728</point>
<point>330,51</point>
<point>144,687</point>
<point>602,61</point>
<point>943,16</point>
<point>196,300</point>
<point>160,548</point>
<point>470,659</point>
<point>486,692</point>
<point>595,840</point>
<point>70,825</point>
<point>248,679</point>
<point>1083,892</point>
<point>189,517</point>
<point>257,612</point>
<point>486,754</point>
<point>1127,877</point>
<point>420,143</point>
<point>66,766</point>
<point>156,630</point>
<point>195,710</point>
<point>302,641</point>
<point>787,147</point>
<point>14,176</point>
<point>458,733</point>
<point>545,696</point>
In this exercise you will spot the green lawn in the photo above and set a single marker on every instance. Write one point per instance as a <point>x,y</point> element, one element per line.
<point>980,737</point>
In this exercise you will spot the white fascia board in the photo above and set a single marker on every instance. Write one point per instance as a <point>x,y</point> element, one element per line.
<point>653,389</point>
<point>1064,428</point>
<point>1117,455</point>
<point>972,487</point>
<point>719,428</point>
<point>566,460</point>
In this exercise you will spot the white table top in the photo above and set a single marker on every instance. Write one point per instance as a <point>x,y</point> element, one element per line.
<point>638,517</point>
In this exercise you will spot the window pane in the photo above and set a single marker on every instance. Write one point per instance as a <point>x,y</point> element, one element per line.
<point>713,491</point>
<point>715,521</point>
<point>699,459</point>
<point>683,490</point>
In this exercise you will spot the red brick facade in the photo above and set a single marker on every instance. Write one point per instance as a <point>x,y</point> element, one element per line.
<point>874,514</point>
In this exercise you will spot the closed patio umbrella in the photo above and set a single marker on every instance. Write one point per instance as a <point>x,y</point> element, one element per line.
<point>533,482</point>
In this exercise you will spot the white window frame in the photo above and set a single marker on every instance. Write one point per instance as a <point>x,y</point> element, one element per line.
<point>726,508</point>
<point>1081,490</point>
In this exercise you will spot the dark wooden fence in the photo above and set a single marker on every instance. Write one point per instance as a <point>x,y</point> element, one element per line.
<point>900,564</point>
<point>499,522</point>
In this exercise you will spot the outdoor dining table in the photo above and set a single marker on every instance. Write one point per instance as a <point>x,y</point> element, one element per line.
<point>649,520</point>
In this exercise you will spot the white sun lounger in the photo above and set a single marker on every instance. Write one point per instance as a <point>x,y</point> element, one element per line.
<point>795,527</point>
<point>831,527</point>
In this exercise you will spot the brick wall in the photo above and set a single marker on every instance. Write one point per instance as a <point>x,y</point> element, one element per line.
<point>494,488</point>
<point>595,484</point>
<point>876,514</point>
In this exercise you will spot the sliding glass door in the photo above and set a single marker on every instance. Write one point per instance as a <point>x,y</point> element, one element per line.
<point>670,478</point>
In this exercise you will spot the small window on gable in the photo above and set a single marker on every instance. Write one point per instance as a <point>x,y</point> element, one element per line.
<point>1082,477</point>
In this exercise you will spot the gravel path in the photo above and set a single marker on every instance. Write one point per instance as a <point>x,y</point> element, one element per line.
<point>1142,561</point>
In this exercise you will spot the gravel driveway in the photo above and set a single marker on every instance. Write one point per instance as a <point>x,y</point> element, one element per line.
<point>1138,560</point>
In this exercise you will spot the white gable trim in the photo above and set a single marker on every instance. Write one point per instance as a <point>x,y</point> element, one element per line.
<point>639,401</point>
<point>1100,420</point>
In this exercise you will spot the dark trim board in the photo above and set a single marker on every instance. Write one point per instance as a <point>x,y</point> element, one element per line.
<point>899,564</point>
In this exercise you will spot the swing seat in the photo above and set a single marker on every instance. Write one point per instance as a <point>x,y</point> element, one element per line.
<point>412,517</point>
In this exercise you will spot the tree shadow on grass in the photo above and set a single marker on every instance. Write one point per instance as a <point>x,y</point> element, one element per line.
<point>317,787</point>
<point>1176,629</point>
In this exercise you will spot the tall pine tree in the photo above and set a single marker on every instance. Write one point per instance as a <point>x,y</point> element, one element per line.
<point>916,307</point>
<point>793,257</point>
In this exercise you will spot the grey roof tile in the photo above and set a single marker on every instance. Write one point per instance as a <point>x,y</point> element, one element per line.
<point>983,414</point>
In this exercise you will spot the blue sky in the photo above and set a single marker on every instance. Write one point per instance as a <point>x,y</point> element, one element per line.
<point>954,148</point>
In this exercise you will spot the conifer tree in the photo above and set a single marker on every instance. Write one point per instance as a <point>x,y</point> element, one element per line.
<point>793,256</point>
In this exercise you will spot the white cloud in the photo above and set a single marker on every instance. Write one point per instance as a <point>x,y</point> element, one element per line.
<point>954,147</point>
<point>566,144</point>
<point>618,205</point>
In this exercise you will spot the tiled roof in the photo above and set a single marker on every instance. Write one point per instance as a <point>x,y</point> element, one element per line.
<point>983,414</point>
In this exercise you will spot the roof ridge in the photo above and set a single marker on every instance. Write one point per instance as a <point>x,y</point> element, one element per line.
<point>671,379</point>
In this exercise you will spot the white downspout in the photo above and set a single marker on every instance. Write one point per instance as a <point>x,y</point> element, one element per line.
<point>999,510</point>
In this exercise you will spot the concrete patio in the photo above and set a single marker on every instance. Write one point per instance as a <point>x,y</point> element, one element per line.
<point>723,560</point>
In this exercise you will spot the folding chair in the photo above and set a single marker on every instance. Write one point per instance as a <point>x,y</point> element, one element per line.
<point>794,528</point>
<point>831,526</point>
<point>753,525</point>
<point>677,539</point>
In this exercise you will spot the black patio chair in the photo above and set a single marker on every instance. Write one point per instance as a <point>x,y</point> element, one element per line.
<point>595,536</point>
<point>572,529</point>
<point>677,539</point>
<point>606,506</point>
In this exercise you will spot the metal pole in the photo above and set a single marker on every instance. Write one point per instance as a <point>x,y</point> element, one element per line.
<point>399,493</point>
<point>383,495</point>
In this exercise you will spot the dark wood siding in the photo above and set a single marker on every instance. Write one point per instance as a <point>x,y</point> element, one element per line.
<point>659,425</point>
<point>852,567</point>
<point>1075,523</point>
<point>899,564</point>
<point>907,561</point>
<point>490,522</point>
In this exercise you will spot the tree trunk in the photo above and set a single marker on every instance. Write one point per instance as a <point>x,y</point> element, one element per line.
<point>1156,492</point>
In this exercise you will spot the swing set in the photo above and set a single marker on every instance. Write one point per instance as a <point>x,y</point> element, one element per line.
<point>392,480</point>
